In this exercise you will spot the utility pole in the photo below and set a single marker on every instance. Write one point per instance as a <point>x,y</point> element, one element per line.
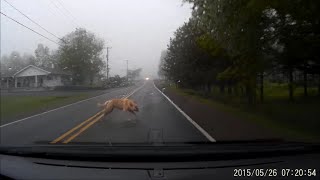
<point>127,70</point>
<point>108,62</point>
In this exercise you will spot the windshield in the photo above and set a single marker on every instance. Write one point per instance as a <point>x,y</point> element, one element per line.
<point>159,71</point>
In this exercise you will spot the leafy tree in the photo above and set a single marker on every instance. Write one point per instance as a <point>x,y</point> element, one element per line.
<point>237,43</point>
<point>14,62</point>
<point>80,53</point>
<point>29,59</point>
<point>186,62</point>
<point>297,34</point>
<point>43,58</point>
<point>115,81</point>
<point>163,55</point>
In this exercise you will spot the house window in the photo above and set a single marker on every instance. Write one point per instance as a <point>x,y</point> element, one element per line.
<point>49,78</point>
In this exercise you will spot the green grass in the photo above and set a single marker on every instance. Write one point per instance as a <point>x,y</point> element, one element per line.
<point>297,120</point>
<point>280,91</point>
<point>15,106</point>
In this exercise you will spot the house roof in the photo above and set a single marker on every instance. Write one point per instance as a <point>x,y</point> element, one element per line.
<point>41,69</point>
<point>12,73</point>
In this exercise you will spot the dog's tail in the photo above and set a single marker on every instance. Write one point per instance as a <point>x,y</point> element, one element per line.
<point>103,105</point>
<point>100,105</point>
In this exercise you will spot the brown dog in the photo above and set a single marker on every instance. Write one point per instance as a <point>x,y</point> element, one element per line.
<point>122,104</point>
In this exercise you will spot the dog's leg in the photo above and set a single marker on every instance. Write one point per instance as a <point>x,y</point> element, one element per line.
<point>135,115</point>
<point>108,109</point>
<point>125,106</point>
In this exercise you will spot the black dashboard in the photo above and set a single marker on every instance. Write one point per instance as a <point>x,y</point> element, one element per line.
<point>299,165</point>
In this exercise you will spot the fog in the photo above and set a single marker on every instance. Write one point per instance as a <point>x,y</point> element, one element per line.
<point>137,30</point>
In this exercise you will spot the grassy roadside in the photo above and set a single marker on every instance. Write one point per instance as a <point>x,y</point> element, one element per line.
<point>17,106</point>
<point>290,120</point>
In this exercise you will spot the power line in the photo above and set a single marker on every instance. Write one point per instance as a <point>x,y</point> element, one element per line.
<point>74,19</point>
<point>66,10</point>
<point>54,11</point>
<point>28,28</point>
<point>62,12</point>
<point>32,20</point>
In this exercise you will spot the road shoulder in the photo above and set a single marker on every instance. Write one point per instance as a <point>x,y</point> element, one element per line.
<point>221,125</point>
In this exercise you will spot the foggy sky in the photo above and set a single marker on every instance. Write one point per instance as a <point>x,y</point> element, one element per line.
<point>137,30</point>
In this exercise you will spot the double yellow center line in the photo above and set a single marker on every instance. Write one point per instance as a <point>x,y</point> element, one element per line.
<point>93,119</point>
<point>80,128</point>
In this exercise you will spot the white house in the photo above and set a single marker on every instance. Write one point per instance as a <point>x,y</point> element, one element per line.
<point>34,77</point>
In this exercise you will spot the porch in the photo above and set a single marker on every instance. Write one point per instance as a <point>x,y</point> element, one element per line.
<point>22,82</point>
<point>29,81</point>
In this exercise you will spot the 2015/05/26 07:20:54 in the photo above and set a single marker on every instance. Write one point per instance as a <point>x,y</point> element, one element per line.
<point>274,172</point>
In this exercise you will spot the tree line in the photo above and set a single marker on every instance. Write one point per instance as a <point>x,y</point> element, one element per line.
<point>79,53</point>
<point>237,44</point>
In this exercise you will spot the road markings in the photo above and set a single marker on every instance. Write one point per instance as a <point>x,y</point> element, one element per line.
<point>86,124</point>
<point>20,120</point>
<point>205,133</point>
<point>82,129</point>
<point>135,91</point>
<point>75,128</point>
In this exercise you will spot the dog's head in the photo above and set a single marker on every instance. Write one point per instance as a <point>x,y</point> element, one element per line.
<point>134,106</point>
<point>136,109</point>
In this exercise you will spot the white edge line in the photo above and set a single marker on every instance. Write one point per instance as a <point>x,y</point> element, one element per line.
<point>135,91</point>
<point>4,125</point>
<point>205,133</point>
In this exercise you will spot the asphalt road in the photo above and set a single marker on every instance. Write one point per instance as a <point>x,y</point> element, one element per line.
<point>157,121</point>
